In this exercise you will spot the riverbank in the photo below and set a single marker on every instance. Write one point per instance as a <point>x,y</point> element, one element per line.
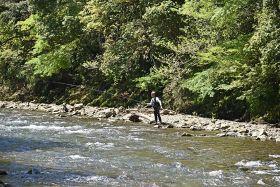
<point>171,119</point>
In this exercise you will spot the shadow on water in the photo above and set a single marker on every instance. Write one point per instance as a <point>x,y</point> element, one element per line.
<point>32,175</point>
<point>15,144</point>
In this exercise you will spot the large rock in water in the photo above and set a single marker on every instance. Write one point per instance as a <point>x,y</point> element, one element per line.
<point>33,171</point>
<point>2,172</point>
<point>2,184</point>
<point>134,118</point>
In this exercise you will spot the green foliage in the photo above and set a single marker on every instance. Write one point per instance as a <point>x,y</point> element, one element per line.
<point>12,45</point>
<point>54,61</point>
<point>156,81</point>
<point>264,78</point>
<point>131,39</point>
<point>212,57</point>
<point>201,84</point>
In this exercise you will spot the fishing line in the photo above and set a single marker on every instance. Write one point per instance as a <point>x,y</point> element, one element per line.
<point>99,91</point>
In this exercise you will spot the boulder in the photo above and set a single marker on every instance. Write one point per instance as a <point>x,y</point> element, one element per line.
<point>75,113</point>
<point>168,126</point>
<point>210,127</point>
<point>186,134</point>
<point>43,107</point>
<point>106,113</point>
<point>243,131</point>
<point>78,106</point>
<point>184,126</point>
<point>152,122</point>
<point>2,172</point>
<point>168,112</point>
<point>260,182</point>
<point>134,118</point>
<point>195,128</point>
<point>2,184</point>
<point>225,126</point>
<point>89,111</point>
<point>33,171</point>
<point>56,109</point>
<point>259,132</point>
<point>262,137</point>
<point>2,104</point>
<point>33,106</point>
<point>121,109</point>
<point>232,133</point>
<point>145,118</point>
<point>158,126</point>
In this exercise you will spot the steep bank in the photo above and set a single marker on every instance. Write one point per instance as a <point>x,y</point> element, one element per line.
<point>171,119</point>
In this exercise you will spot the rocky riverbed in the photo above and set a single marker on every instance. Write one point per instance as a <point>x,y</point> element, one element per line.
<point>171,119</point>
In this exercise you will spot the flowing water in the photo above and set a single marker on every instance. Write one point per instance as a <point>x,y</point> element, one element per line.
<point>83,152</point>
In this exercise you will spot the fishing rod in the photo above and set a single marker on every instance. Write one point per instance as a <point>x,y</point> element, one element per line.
<point>124,95</point>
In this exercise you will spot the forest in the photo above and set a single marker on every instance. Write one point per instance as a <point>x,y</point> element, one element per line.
<point>213,58</point>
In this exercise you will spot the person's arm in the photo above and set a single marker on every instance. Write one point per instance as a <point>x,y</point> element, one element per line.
<point>150,103</point>
<point>158,100</point>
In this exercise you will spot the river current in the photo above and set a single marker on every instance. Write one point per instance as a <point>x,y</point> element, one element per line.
<point>85,152</point>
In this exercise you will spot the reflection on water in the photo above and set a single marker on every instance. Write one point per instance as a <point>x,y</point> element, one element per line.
<point>82,152</point>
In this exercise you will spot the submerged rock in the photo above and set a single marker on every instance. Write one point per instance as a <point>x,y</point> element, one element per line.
<point>186,134</point>
<point>2,184</point>
<point>33,171</point>
<point>2,172</point>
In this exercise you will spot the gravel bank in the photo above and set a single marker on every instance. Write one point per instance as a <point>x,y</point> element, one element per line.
<point>223,128</point>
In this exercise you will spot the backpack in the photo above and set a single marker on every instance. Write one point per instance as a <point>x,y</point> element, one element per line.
<point>156,104</point>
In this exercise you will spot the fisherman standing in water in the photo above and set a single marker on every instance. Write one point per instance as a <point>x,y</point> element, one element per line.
<point>156,104</point>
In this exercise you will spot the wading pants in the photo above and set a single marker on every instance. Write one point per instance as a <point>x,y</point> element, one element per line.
<point>157,115</point>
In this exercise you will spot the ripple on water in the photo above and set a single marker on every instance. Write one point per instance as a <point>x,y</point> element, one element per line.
<point>274,156</point>
<point>133,156</point>
<point>257,164</point>
<point>249,164</point>
<point>218,173</point>
<point>76,157</point>
<point>93,179</point>
<point>39,127</point>
<point>170,153</point>
<point>267,172</point>
<point>100,145</point>
<point>276,179</point>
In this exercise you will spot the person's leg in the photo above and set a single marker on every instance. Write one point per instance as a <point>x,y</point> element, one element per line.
<point>159,118</point>
<point>155,114</point>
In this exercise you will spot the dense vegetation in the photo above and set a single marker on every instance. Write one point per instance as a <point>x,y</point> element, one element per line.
<point>217,58</point>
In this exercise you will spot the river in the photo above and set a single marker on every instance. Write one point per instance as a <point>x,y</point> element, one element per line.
<point>85,152</point>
